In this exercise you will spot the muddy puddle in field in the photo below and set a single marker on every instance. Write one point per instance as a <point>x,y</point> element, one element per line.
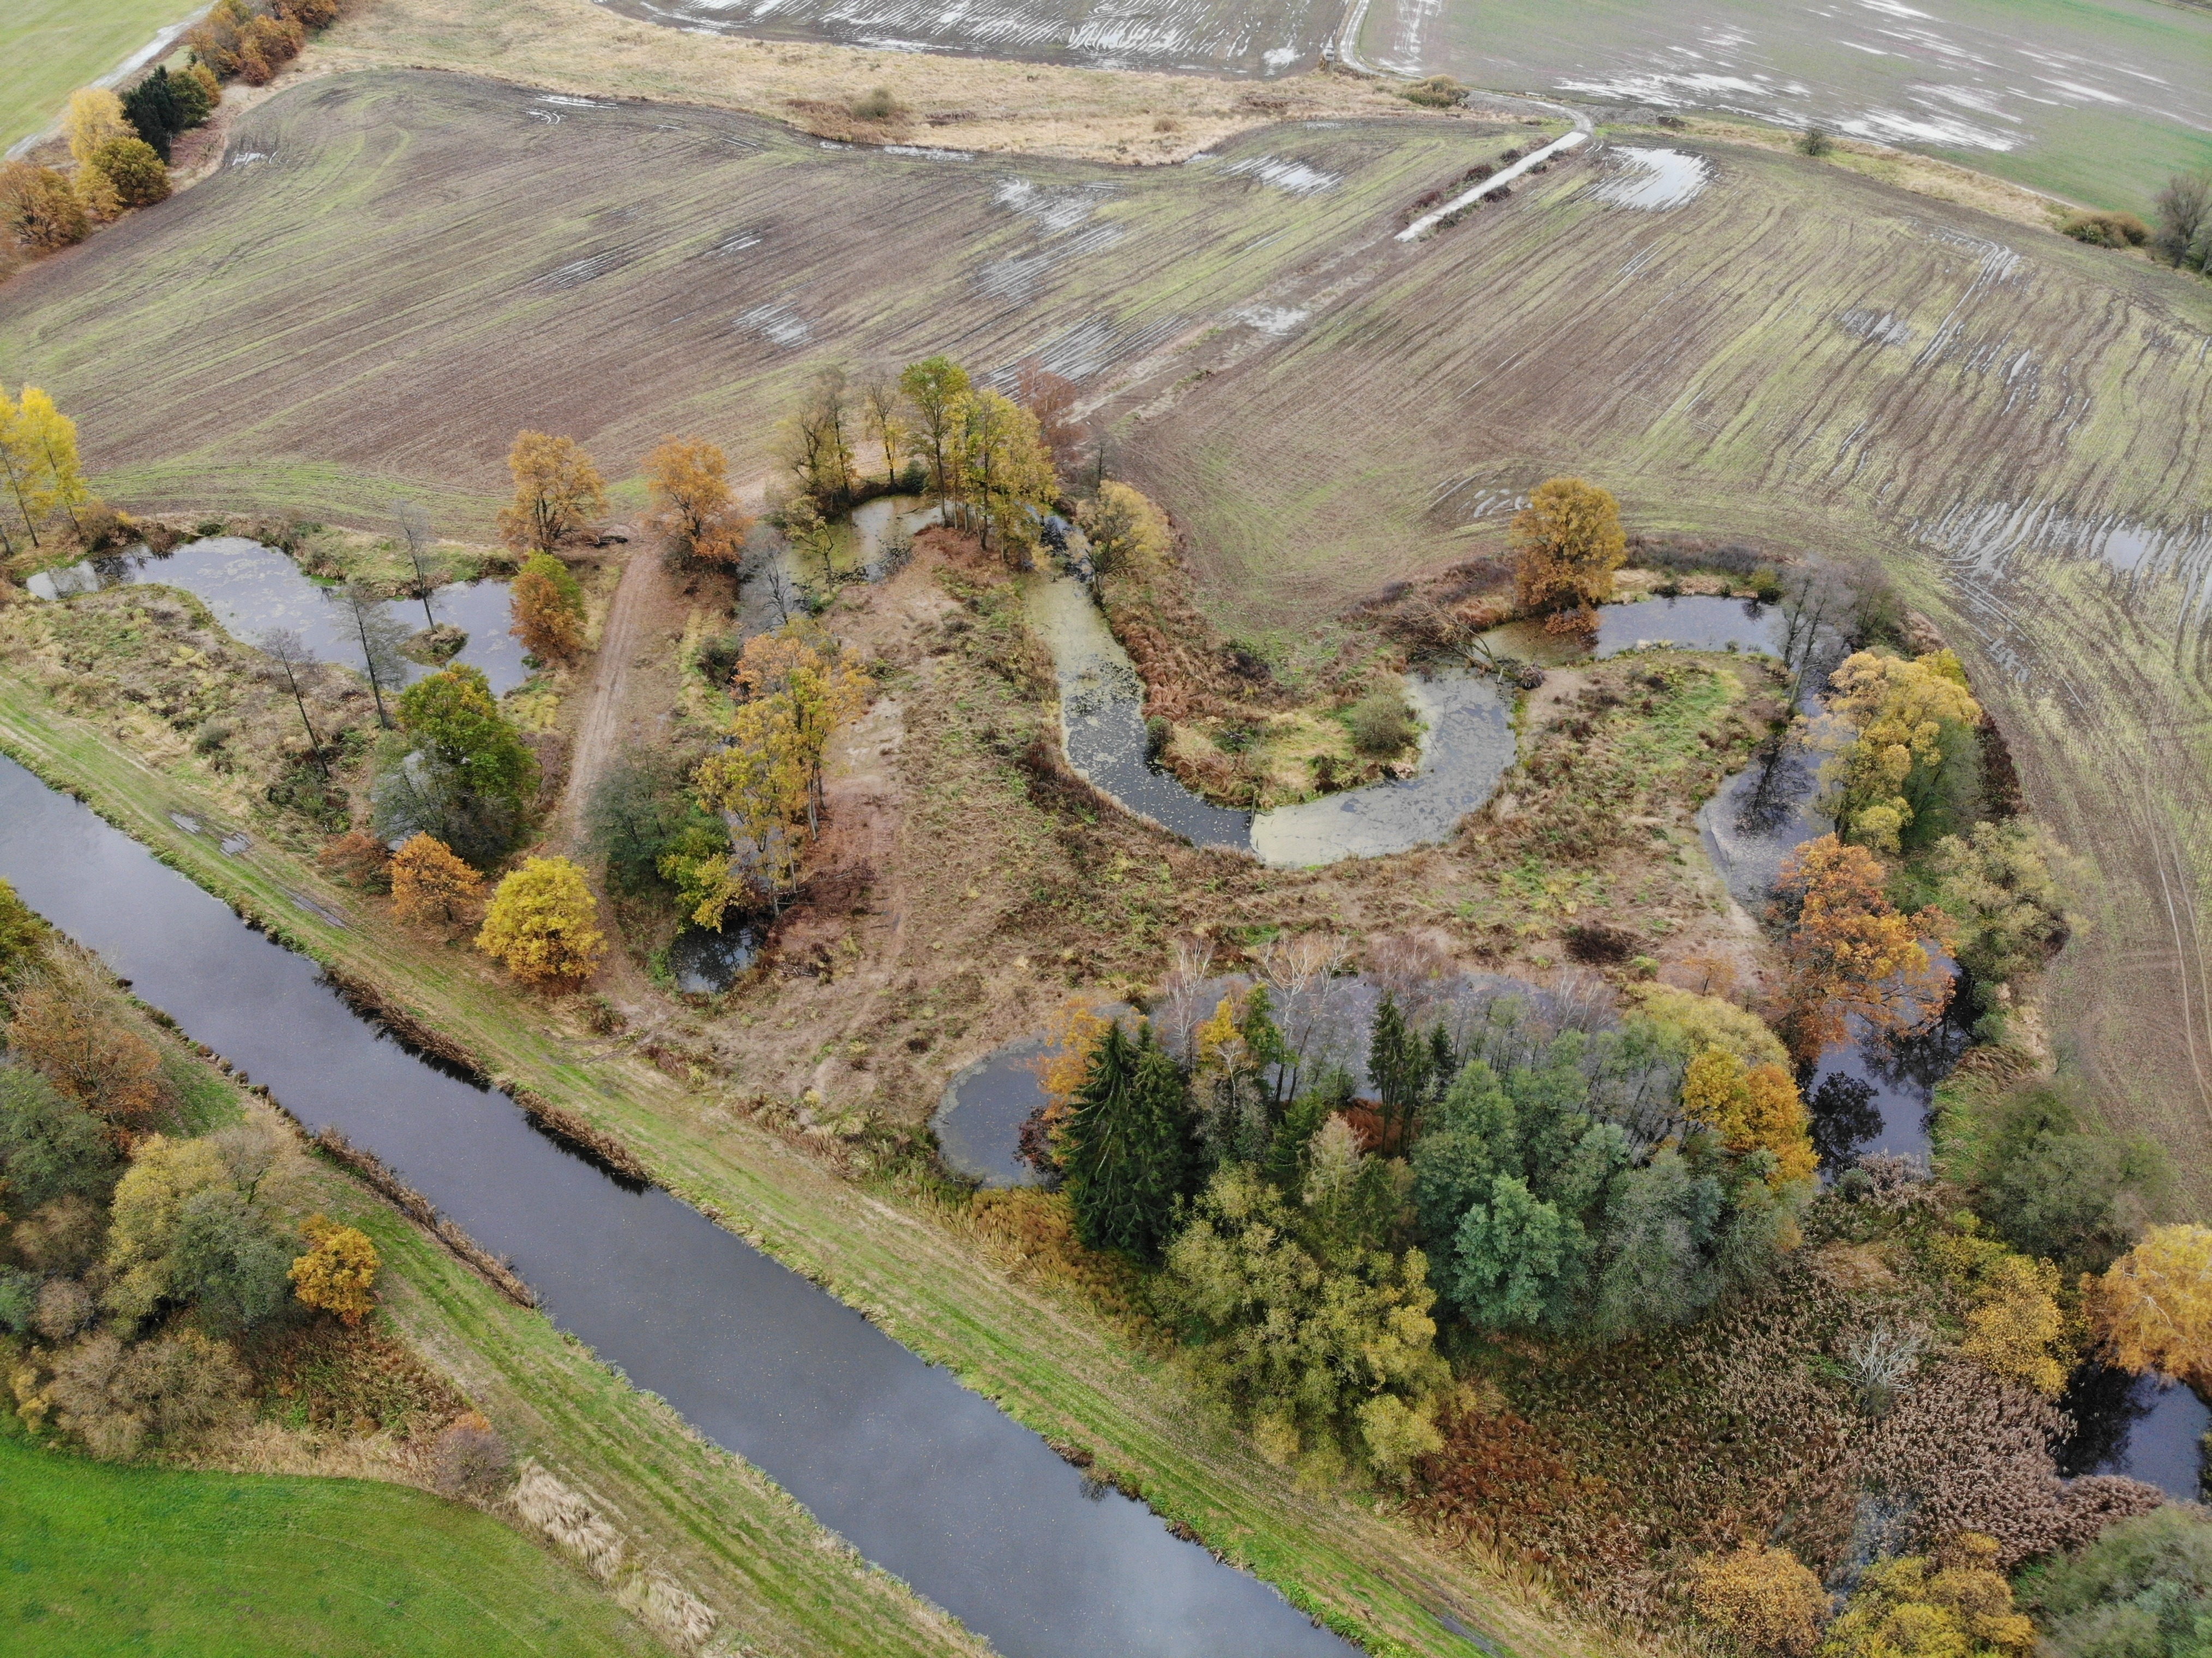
<point>251,589</point>
<point>1652,181</point>
<point>1465,746</point>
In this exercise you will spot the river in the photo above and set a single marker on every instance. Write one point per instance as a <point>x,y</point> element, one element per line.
<point>926,1478</point>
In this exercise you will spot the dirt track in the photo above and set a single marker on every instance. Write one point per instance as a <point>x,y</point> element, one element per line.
<point>645,606</point>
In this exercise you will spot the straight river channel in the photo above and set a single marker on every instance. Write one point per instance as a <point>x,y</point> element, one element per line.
<point>926,1478</point>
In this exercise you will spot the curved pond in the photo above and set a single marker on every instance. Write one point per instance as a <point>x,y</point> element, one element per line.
<point>931,1481</point>
<point>251,588</point>
<point>1468,745</point>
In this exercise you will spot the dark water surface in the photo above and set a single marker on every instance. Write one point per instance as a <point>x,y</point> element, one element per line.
<point>251,588</point>
<point>926,1478</point>
<point>2147,1427</point>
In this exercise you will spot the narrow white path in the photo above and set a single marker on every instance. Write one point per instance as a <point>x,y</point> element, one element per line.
<point>1428,221</point>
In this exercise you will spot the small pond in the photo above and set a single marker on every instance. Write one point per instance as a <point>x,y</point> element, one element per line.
<point>872,521</point>
<point>1688,621</point>
<point>704,962</point>
<point>2147,1427</point>
<point>1653,180</point>
<point>251,589</point>
<point>979,1119</point>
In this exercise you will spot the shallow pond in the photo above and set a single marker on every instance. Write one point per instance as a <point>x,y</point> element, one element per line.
<point>704,962</point>
<point>1468,745</point>
<point>1654,180</point>
<point>979,1119</point>
<point>251,589</point>
<point>929,1480</point>
<point>1688,621</point>
<point>872,521</point>
<point>2147,1427</point>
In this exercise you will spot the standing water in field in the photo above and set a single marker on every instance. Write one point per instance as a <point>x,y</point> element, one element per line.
<point>250,589</point>
<point>1653,180</point>
<point>927,1480</point>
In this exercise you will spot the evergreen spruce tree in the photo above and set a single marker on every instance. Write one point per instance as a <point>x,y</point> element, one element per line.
<point>1127,1146</point>
<point>1398,1065</point>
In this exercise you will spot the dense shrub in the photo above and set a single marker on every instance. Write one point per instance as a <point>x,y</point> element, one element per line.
<point>134,169</point>
<point>114,1396</point>
<point>471,1460</point>
<point>2143,1589</point>
<point>1954,1605</point>
<point>1765,1599</point>
<point>2106,229</point>
<point>163,105</point>
<point>1380,723</point>
<point>49,1146</point>
<point>2056,1186</point>
<point>66,1028</point>
<point>40,207</point>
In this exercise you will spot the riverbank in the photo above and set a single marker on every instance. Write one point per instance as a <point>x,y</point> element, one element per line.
<point>900,1259</point>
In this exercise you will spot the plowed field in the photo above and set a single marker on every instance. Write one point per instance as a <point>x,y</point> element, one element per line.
<point>395,271</point>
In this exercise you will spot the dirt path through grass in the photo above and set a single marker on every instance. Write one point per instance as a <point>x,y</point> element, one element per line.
<point>644,605</point>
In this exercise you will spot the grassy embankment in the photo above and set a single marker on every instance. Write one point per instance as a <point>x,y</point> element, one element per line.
<point>49,48</point>
<point>105,1555</point>
<point>1808,358</point>
<point>1053,1365</point>
<point>105,1559</point>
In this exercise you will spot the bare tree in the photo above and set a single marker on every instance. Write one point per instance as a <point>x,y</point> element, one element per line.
<point>290,653</point>
<point>380,637</point>
<point>415,533</point>
<point>884,408</point>
<point>1299,973</point>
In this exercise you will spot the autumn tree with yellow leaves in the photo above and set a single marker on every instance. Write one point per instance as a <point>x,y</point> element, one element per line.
<point>557,490</point>
<point>1752,1109</point>
<point>1955,1605</point>
<point>1766,1599</point>
<point>794,688</point>
<point>430,883</point>
<point>39,472</point>
<point>1567,543</point>
<point>337,1274</point>
<point>1913,764</point>
<point>2153,1307</point>
<point>543,924</point>
<point>692,505</point>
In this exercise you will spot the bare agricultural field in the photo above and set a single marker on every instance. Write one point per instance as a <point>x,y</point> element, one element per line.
<point>2097,100</point>
<point>2018,428</point>
<point>1215,36</point>
<point>395,271</point>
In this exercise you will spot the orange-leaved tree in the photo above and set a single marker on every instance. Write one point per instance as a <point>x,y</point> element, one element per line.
<point>1850,953</point>
<point>429,883</point>
<point>548,608</point>
<point>1752,1109</point>
<point>338,1273</point>
<point>1567,543</point>
<point>65,1028</point>
<point>556,490</point>
<point>543,924</point>
<point>1074,1032</point>
<point>692,505</point>
<point>2153,1308</point>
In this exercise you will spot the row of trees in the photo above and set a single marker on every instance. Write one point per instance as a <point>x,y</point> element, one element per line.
<point>120,146</point>
<point>133,1255</point>
<point>990,459</point>
<point>250,41</point>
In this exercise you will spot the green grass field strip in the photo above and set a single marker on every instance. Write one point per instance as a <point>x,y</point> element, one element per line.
<point>1054,1367</point>
<point>102,1559</point>
<point>49,48</point>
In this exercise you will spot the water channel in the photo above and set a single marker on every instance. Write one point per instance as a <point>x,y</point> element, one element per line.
<point>250,589</point>
<point>929,1480</point>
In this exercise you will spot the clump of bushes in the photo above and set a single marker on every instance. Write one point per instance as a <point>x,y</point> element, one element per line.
<point>879,105</point>
<point>1815,140</point>
<point>2106,229</point>
<point>1436,92</point>
<point>238,41</point>
<point>1381,724</point>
